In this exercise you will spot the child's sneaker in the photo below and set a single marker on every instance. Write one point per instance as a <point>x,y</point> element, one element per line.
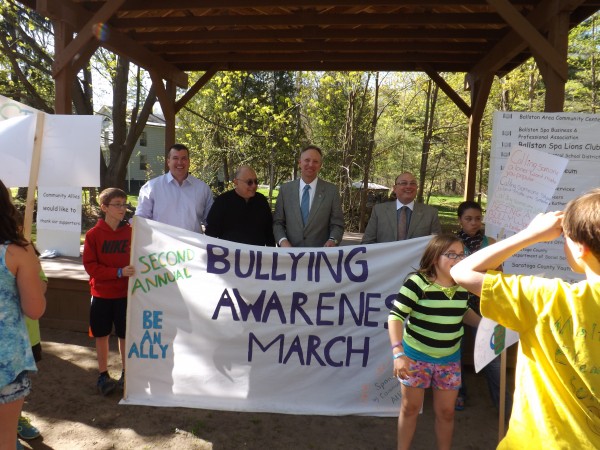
<point>19,445</point>
<point>25,430</point>
<point>106,385</point>
<point>121,382</point>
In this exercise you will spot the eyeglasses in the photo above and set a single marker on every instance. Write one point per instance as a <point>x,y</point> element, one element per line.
<point>455,255</point>
<point>118,205</point>
<point>407,183</point>
<point>250,182</point>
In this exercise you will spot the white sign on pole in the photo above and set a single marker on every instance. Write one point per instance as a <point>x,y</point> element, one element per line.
<point>220,325</point>
<point>572,136</point>
<point>70,152</point>
<point>490,341</point>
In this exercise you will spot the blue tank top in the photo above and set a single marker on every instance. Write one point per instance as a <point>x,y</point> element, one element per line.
<point>15,349</point>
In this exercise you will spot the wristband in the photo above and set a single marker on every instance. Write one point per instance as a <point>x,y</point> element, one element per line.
<point>119,272</point>
<point>397,344</point>
<point>399,355</point>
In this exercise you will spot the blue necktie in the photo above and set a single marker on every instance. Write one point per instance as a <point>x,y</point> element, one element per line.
<point>305,203</point>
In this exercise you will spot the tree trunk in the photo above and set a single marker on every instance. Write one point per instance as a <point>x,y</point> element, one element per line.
<point>125,135</point>
<point>363,216</point>
<point>430,105</point>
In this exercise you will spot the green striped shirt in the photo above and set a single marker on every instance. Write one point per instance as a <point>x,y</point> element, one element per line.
<point>434,313</point>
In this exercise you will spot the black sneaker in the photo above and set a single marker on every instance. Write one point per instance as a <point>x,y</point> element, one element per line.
<point>105,384</point>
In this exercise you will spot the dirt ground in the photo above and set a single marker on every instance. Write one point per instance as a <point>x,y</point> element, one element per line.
<point>65,406</point>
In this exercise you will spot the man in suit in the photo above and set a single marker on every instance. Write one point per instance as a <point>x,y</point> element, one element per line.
<point>308,212</point>
<point>402,218</point>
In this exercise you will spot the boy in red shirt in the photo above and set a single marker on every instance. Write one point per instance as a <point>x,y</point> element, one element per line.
<point>106,259</point>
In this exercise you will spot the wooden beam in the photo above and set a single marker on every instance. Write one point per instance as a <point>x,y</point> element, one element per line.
<point>558,35</point>
<point>315,46</point>
<point>373,66</point>
<point>480,91</point>
<point>318,56</point>
<point>85,35</point>
<point>447,89</point>
<point>158,5</point>
<point>306,19</point>
<point>531,35</point>
<point>205,78</point>
<point>77,17</point>
<point>63,81</point>
<point>473,34</point>
<point>513,44</point>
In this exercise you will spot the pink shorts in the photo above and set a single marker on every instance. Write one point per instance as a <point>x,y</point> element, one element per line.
<point>445,377</point>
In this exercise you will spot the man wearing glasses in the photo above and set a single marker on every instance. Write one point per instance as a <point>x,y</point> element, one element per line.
<point>242,214</point>
<point>308,212</point>
<point>403,218</point>
<point>176,198</point>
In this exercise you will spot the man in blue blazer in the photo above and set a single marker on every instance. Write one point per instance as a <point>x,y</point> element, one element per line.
<point>422,219</point>
<point>308,216</point>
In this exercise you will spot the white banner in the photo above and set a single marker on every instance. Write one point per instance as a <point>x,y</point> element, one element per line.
<point>219,325</point>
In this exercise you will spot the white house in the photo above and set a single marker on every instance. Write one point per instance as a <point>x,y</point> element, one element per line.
<point>148,158</point>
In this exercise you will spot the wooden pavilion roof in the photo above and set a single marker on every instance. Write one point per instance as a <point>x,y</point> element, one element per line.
<point>172,37</point>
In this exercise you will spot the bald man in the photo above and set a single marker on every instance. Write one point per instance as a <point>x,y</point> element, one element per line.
<point>419,220</point>
<point>242,214</point>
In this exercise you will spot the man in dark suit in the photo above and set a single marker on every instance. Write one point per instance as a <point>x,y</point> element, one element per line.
<point>402,218</point>
<point>308,212</point>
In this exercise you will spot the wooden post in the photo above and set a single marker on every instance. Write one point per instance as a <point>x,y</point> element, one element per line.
<point>501,424</point>
<point>34,171</point>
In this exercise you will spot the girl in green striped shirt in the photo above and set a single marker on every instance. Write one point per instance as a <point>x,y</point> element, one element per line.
<point>425,327</point>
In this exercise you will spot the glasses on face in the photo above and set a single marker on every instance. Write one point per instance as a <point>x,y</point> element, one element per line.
<point>407,183</point>
<point>451,255</point>
<point>250,181</point>
<point>118,205</point>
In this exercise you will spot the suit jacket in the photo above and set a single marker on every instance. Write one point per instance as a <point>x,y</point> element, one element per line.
<point>383,223</point>
<point>325,219</point>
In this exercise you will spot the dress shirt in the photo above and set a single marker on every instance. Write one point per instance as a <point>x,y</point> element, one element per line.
<point>184,206</point>
<point>410,206</point>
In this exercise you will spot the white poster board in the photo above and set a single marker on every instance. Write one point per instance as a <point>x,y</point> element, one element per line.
<point>491,340</point>
<point>573,136</point>
<point>59,220</point>
<point>220,325</point>
<point>525,188</point>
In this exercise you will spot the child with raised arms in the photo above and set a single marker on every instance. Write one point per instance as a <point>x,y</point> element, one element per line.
<point>556,402</point>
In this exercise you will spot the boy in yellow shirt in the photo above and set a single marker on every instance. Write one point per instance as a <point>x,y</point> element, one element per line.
<point>557,393</point>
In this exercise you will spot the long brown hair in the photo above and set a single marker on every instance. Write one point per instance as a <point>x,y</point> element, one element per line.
<point>437,247</point>
<point>10,229</point>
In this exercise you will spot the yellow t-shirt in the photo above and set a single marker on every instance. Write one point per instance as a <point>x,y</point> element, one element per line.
<point>557,392</point>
